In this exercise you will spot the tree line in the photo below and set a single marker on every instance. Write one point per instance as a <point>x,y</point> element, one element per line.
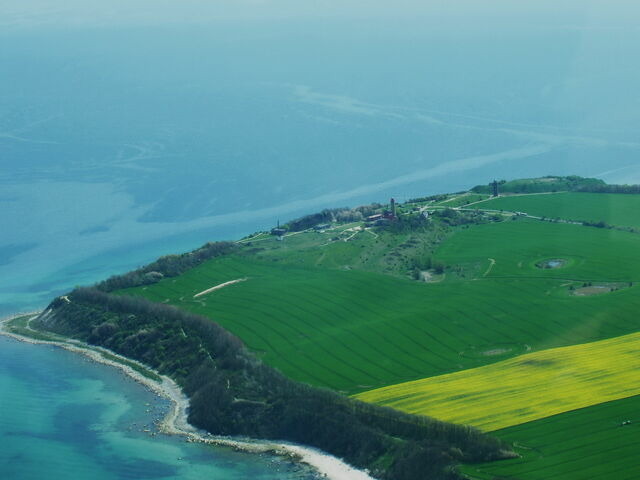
<point>550,183</point>
<point>328,215</point>
<point>605,188</point>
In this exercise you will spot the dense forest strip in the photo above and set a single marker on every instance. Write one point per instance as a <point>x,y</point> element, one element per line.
<point>233,393</point>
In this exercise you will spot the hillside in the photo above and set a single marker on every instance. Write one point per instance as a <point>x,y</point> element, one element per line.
<point>437,288</point>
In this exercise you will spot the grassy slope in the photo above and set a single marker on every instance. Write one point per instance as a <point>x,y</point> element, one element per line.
<point>379,252</point>
<point>461,200</point>
<point>614,209</point>
<point>354,330</point>
<point>525,388</point>
<point>585,444</point>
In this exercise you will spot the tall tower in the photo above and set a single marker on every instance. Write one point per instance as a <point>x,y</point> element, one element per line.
<point>494,184</point>
<point>393,207</point>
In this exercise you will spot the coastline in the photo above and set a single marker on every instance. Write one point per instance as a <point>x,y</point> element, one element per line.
<point>176,420</point>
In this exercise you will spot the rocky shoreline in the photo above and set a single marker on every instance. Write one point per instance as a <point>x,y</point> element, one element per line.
<point>176,420</point>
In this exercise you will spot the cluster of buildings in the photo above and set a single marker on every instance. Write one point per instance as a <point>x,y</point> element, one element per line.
<point>378,219</point>
<point>278,231</point>
<point>385,217</point>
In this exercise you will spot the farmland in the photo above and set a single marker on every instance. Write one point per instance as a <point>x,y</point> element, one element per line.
<point>590,254</point>
<point>353,330</point>
<point>615,209</point>
<point>525,388</point>
<point>586,444</point>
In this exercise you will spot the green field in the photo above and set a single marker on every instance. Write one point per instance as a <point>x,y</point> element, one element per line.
<point>354,331</point>
<point>585,444</point>
<point>614,209</point>
<point>591,254</point>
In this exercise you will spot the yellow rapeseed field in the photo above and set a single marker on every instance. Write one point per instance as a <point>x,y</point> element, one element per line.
<point>524,388</point>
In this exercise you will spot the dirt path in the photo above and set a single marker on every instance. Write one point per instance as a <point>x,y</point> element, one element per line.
<point>492,262</point>
<point>514,195</point>
<point>218,287</point>
<point>351,236</point>
<point>479,201</point>
<point>271,237</point>
<point>368,230</point>
<point>454,198</point>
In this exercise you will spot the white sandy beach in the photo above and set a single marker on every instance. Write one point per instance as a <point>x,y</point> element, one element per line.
<point>176,423</point>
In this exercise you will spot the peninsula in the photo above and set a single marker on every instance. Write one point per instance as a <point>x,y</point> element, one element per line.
<point>377,333</point>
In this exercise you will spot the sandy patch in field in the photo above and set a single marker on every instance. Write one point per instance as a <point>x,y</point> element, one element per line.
<point>218,287</point>
<point>588,291</point>
<point>495,351</point>
<point>430,277</point>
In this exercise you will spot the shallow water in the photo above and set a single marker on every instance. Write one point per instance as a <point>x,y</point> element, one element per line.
<point>64,416</point>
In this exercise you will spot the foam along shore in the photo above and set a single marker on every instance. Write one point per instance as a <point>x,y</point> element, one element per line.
<point>218,287</point>
<point>176,423</point>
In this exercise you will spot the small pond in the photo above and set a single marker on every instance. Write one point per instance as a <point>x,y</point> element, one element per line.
<point>553,263</point>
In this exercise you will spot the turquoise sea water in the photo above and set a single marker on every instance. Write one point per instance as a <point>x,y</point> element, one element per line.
<point>63,416</point>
